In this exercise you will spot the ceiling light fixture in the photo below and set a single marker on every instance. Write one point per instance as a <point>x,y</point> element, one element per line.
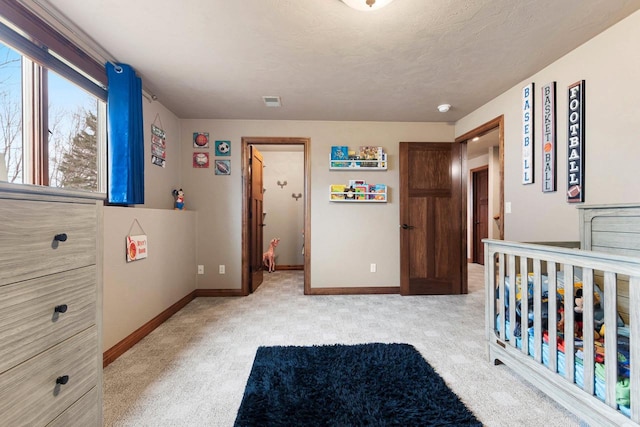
<point>443,108</point>
<point>475,139</point>
<point>366,5</point>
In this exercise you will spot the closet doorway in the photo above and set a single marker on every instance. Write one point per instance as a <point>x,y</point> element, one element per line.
<point>256,220</point>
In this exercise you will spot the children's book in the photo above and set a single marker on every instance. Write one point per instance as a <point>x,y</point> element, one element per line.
<point>380,191</point>
<point>339,152</point>
<point>356,182</point>
<point>337,188</point>
<point>339,155</point>
<point>361,191</point>
<point>370,153</point>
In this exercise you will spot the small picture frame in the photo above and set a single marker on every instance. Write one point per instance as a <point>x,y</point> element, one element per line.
<point>223,167</point>
<point>200,160</point>
<point>223,148</point>
<point>201,140</point>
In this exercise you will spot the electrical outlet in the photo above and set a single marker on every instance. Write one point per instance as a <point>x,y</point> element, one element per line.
<point>373,268</point>
<point>201,269</point>
<point>221,269</point>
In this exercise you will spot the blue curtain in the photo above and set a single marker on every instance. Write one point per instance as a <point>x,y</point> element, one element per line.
<point>125,145</point>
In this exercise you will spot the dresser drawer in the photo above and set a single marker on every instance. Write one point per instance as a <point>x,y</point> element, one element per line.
<point>83,413</point>
<point>29,394</point>
<point>28,321</point>
<point>27,232</point>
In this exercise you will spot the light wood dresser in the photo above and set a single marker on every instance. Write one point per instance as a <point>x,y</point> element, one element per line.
<point>50,307</point>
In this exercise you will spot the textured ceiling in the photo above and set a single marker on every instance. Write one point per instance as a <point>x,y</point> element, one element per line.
<point>217,58</point>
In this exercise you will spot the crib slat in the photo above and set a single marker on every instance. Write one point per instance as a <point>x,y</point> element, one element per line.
<point>610,338</point>
<point>512,300</point>
<point>524,305</point>
<point>569,351</point>
<point>553,317</point>
<point>537,311</point>
<point>634,345</point>
<point>588,358</point>
<point>490,292</point>
<point>503,319</point>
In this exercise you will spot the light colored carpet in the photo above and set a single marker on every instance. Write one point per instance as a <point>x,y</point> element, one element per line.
<point>192,370</point>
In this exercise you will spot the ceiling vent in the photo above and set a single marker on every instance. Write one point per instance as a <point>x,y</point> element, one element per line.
<point>272,101</point>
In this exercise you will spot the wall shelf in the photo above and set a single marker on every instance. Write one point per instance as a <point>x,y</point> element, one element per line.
<point>359,164</point>
<point>358,197</point>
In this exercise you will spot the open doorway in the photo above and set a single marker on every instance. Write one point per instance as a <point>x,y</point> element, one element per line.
<point>485,150</point>
<point>479,212</point>
<point>256,231</point>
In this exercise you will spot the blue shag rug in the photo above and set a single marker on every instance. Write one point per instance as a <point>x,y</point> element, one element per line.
<point>348,385</point>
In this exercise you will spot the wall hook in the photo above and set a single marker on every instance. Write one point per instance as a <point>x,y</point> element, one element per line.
<point>296,196</point>
<point>282,184</point>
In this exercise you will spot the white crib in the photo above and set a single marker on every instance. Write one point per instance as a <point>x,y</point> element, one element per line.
<point>583,373</point>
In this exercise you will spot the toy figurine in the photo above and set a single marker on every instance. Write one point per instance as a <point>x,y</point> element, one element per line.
<point>179,195</point>
<point>269,257</point>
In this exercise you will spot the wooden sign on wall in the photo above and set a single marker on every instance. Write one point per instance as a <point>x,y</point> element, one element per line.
<point>549,138</point>
<point>527,134</point>
<point>576,145</point>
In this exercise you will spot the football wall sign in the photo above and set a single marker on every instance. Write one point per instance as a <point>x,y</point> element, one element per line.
<point>527,134</point>
<point>549,138</point>
<point>575,140</point>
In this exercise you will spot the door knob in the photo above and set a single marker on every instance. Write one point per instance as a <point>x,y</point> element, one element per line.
<point>407,227</point>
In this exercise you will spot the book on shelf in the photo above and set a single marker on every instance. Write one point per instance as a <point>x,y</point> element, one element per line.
<point>368,152</point>
<point>380,192</point>
<point>361,191</point>
<point>339,155</point>
<point>337,188</point>
<point>339,152</point>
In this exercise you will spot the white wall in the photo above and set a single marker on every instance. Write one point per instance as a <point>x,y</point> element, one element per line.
<point>609,65</point>
<point>136,292</point>
<point>345,238</point>
<point>285,215</point>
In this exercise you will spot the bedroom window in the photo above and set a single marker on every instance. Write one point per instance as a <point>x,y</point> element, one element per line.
<point>11,152</point>
<point>52,107</point>
<point>73,135</point>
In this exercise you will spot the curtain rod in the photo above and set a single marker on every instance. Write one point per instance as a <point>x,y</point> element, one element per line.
<point>69,29</point>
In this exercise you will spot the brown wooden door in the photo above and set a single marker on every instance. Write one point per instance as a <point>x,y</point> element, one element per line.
<point>255,218</point>
<point>433,220</point>
<point>480,213</point>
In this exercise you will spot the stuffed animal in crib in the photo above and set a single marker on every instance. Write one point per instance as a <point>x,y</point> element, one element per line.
<point>179,195</point>
<point>269,257</point>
